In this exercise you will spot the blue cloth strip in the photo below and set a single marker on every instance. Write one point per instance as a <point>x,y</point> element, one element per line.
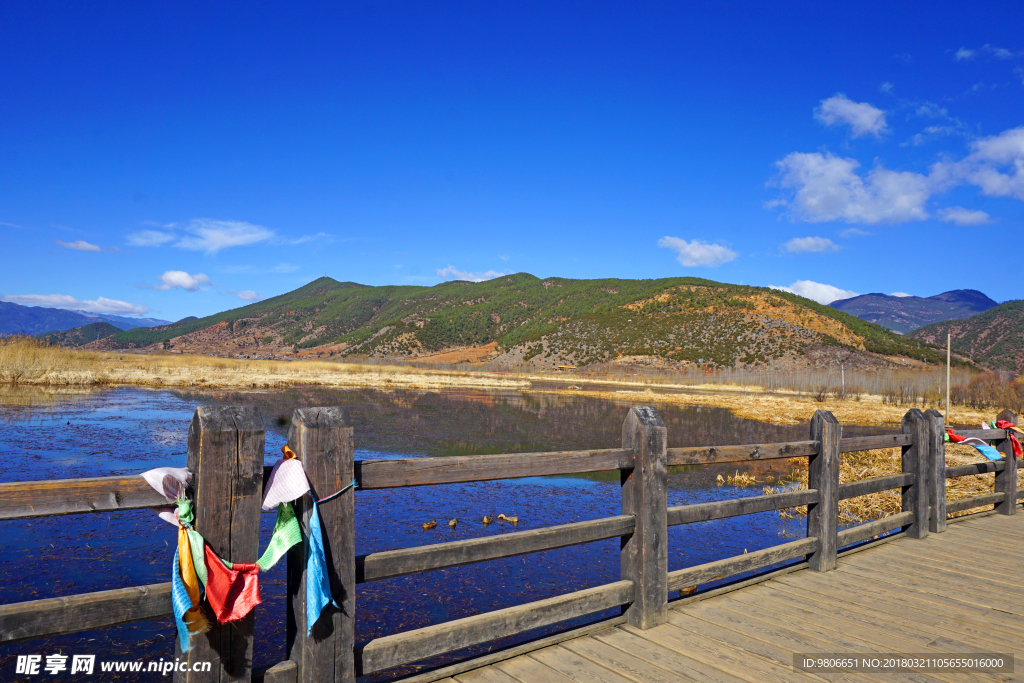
<point>989,452</point>
<point>318,587</point>
<point>180,603</point>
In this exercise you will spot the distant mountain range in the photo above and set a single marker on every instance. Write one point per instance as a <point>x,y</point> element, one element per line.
<point>994,338</point>
<point>904,314</point>
<point>18,319</point>
<point>520,318</point>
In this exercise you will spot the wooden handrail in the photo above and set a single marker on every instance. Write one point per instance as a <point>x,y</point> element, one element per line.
<point>381,474</point>
<point>720,509</point>
<point>391,563</point>
<point>402,648</point>
<point>84,612</point>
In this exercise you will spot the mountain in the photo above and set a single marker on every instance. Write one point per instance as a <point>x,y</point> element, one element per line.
<point>79,336</point>
<point>906,313</point>
<point>17,319</point>
<point>521,318</point>
<point>994,338</point>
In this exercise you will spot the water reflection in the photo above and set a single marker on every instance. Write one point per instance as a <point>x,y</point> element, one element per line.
<point>56,435</point>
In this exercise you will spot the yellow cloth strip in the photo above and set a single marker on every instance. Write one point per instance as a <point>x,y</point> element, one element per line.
<point>194,617</point>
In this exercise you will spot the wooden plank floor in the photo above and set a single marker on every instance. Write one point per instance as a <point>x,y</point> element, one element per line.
<point>956,592</point>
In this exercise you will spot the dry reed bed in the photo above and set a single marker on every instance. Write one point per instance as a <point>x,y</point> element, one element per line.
<point>782,408</point>
<point>885,462</point>
<point>29,362</point>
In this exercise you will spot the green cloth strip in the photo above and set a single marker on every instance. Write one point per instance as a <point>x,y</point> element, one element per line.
<point>195,544</point>
<point>287,533</point>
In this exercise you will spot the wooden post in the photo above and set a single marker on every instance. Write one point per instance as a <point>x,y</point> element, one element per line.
<point>322,440</point>
<point>644,553</point>
<point>823,475</point>
<point>225,456</point>
<point>936,471</point>
<point>915,461</point>
<point>1006,481</point>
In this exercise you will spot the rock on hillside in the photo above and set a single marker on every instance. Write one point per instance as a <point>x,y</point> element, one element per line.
<point>906,313</point>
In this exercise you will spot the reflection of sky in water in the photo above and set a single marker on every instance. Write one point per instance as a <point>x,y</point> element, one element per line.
<point>126,431</point>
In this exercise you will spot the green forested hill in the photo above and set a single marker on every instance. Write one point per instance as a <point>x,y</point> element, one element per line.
<point>994,338</point>
<point>581,320</point>
<point>78,336</point>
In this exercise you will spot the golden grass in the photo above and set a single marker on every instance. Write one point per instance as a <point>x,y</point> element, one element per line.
<point>885,462</point>
<point>25,361</point>
<point>778,408</point>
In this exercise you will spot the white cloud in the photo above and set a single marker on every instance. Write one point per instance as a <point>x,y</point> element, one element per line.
<point>246,295</point>
<point>886,87</point>
<point>984,166</point>
<point>964,54</point>
<point>816,291</point>
<point>962,216</point>
<point>179,278</point>
<point>696,253</point>
<point>854,232</point>
<point>78,245</point>
<point>862,118</point>
<point>149,238</point>
<point>1001,52</point>
<point>98,305</point>
<point>450,272</point>
<point>212,235</point>
<point>803,245</point>
<point>304,238</point>
<point>901,294</point>
<point>828,188</point>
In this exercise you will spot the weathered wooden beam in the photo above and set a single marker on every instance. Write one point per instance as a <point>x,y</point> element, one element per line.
<point>975,501</point>
<point>823,475</point>
<point>915,462</point>
<point>865,532</point>
<point>644,553</point>
<point>402,648</point>
<point>865,487</point>
<point>866,443</point>
<point>225,456</point>
<point>385,565</point>
<point>984,434</point>
<point>75,613</point>
<point>382,474</point>
<point>936,471</point>
<point>703,512</point>
<point>748,562</point>
<point>1006,481</point>
<point>705,455</point>
<point>975,468</point>
<point>322,439</point>
<point>24,499</point>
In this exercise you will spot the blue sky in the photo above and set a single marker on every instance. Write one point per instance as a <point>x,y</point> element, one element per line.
<point>174,159</point>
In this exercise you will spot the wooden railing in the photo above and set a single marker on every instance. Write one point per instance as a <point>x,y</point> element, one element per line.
<point>225,456</point>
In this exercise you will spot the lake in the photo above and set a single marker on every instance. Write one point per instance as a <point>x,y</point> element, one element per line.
<point>56,434</point>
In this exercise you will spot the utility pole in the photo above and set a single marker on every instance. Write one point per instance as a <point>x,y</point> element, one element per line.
<point>948,348</point>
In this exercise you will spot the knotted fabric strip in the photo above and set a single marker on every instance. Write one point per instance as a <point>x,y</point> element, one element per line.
<point>1010,428</point>
<point>318,586</point>
<point>231,591</point>
<point>287,533</point>
<point>287,481</point>
<point>979,445</point>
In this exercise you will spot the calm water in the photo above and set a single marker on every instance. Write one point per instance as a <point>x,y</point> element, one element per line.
<point>127,431</point>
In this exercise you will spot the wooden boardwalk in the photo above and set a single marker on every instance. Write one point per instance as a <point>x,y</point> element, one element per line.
<point>957,592</point>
